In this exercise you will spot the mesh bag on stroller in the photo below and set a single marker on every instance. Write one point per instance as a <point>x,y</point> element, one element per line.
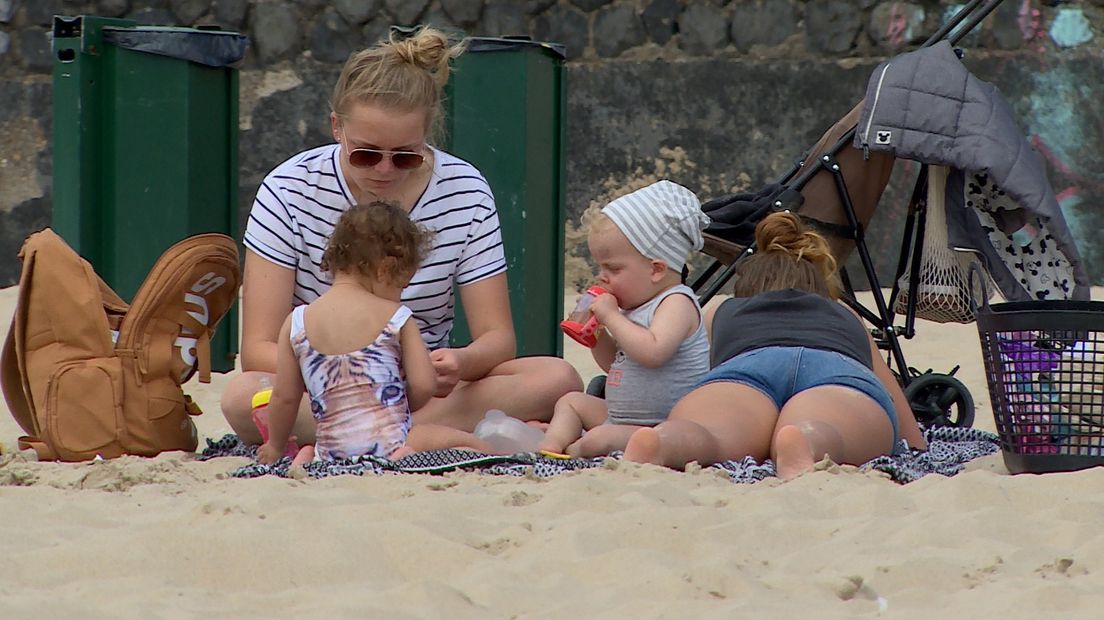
<point>941,290</point>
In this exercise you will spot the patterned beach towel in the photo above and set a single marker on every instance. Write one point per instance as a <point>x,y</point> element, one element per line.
<point>949,449</point>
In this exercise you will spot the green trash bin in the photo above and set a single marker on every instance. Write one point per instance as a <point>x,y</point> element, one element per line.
<point>505,114</point>
<point>145,146</point>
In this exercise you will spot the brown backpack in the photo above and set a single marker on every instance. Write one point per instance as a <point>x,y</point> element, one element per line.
<point>86,375</point>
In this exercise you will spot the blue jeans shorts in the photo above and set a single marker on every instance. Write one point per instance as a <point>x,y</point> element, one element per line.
<point>781,372</point>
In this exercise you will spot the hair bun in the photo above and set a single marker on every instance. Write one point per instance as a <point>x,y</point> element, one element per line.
<point>778,232</point>
<point>428,49</point>
<point>783,232</point>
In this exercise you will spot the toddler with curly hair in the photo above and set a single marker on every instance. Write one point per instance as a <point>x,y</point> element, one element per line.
<point>355,352</point>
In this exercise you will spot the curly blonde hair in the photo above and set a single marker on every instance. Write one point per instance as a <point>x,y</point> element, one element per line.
<point>377,237</point>
<point>787,256</point>
<point>406,74</point>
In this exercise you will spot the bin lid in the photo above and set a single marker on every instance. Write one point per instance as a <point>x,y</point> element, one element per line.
<point>213,48</point>
<point>508,44</point>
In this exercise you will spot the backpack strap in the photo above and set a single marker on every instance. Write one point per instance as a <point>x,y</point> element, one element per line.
<point>12,382</point>
<point>41,448</point>
<point>13,375</point>
<point>203,356</point>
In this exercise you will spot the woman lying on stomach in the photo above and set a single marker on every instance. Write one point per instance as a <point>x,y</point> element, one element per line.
<point>796,376</point>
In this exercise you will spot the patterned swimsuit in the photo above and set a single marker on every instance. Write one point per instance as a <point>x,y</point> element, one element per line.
<point>358,398</point>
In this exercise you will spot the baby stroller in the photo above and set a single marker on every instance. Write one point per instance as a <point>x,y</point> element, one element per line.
<point>994,207</point>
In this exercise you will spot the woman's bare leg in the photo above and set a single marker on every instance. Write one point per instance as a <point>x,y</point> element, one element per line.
<point>526,388</point>
<point>425,437</point>
<point>574,412</point>
<point>839,422</point>
<point>237,408</point>
<point>716,422</point>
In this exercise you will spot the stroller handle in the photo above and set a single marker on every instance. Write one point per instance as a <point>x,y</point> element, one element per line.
<point>970,10</point>
<point>975,19</point>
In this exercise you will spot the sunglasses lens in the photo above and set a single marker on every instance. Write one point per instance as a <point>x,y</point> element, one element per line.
<point>365,158</point>
<point>406,161</point>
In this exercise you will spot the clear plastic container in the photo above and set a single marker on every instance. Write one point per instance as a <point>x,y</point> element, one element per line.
<point>508,435</point>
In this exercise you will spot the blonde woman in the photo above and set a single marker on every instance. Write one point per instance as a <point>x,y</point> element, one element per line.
<point>796,376</point>
<point>386,110</point>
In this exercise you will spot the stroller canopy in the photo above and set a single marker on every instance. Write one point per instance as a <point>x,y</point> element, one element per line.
<point>926,106</point>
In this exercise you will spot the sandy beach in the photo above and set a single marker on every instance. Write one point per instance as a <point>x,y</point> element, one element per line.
<point>171,537</point>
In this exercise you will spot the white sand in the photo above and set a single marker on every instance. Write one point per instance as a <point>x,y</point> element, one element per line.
<point>171,537</point>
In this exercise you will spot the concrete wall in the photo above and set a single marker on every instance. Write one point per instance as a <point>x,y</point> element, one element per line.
<point>718,94</point>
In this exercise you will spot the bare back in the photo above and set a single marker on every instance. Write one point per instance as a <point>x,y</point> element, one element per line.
<point>346,319</point>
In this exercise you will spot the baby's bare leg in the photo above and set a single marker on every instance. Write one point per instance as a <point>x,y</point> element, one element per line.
<point>424,437</point>
<point>575,412</point>
<point>304,456</point>
<point>602,440</point>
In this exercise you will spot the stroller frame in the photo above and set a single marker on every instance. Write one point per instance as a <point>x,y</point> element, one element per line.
<point>931,395</point>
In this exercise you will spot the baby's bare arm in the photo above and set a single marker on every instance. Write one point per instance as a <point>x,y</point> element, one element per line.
<point>605,350</point>
<point>283,406</point>
<point>675,320</point>
<point>421,379</point>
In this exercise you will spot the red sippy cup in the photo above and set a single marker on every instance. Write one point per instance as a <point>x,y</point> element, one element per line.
<point>580,325</point>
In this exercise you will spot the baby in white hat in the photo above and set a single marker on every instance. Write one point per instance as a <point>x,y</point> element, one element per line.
<point>652,344</point>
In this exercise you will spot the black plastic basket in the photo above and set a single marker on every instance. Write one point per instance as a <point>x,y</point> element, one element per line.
<point>1044,363</point>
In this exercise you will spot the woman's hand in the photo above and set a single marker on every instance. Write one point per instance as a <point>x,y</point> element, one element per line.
<point>268,454</point>
<point>446,363</point>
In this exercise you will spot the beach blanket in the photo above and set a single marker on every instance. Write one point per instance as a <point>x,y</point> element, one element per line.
<point>949,449</point>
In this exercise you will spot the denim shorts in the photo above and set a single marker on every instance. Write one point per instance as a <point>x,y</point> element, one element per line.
<point>781,372</point>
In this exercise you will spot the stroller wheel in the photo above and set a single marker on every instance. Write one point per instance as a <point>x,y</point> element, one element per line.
<point>940,400</point>
<point>597,386</point>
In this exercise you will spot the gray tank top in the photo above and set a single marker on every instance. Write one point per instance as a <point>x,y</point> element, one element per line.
<point>644,396</point>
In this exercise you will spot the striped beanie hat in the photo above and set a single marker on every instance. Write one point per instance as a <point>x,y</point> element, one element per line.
<point>663,221</point>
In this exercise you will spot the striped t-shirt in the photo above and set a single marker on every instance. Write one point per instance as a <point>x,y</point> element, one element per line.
<point>300,201</point>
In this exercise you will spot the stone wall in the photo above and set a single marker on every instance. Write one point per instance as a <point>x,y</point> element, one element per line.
<point>720,95</point>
